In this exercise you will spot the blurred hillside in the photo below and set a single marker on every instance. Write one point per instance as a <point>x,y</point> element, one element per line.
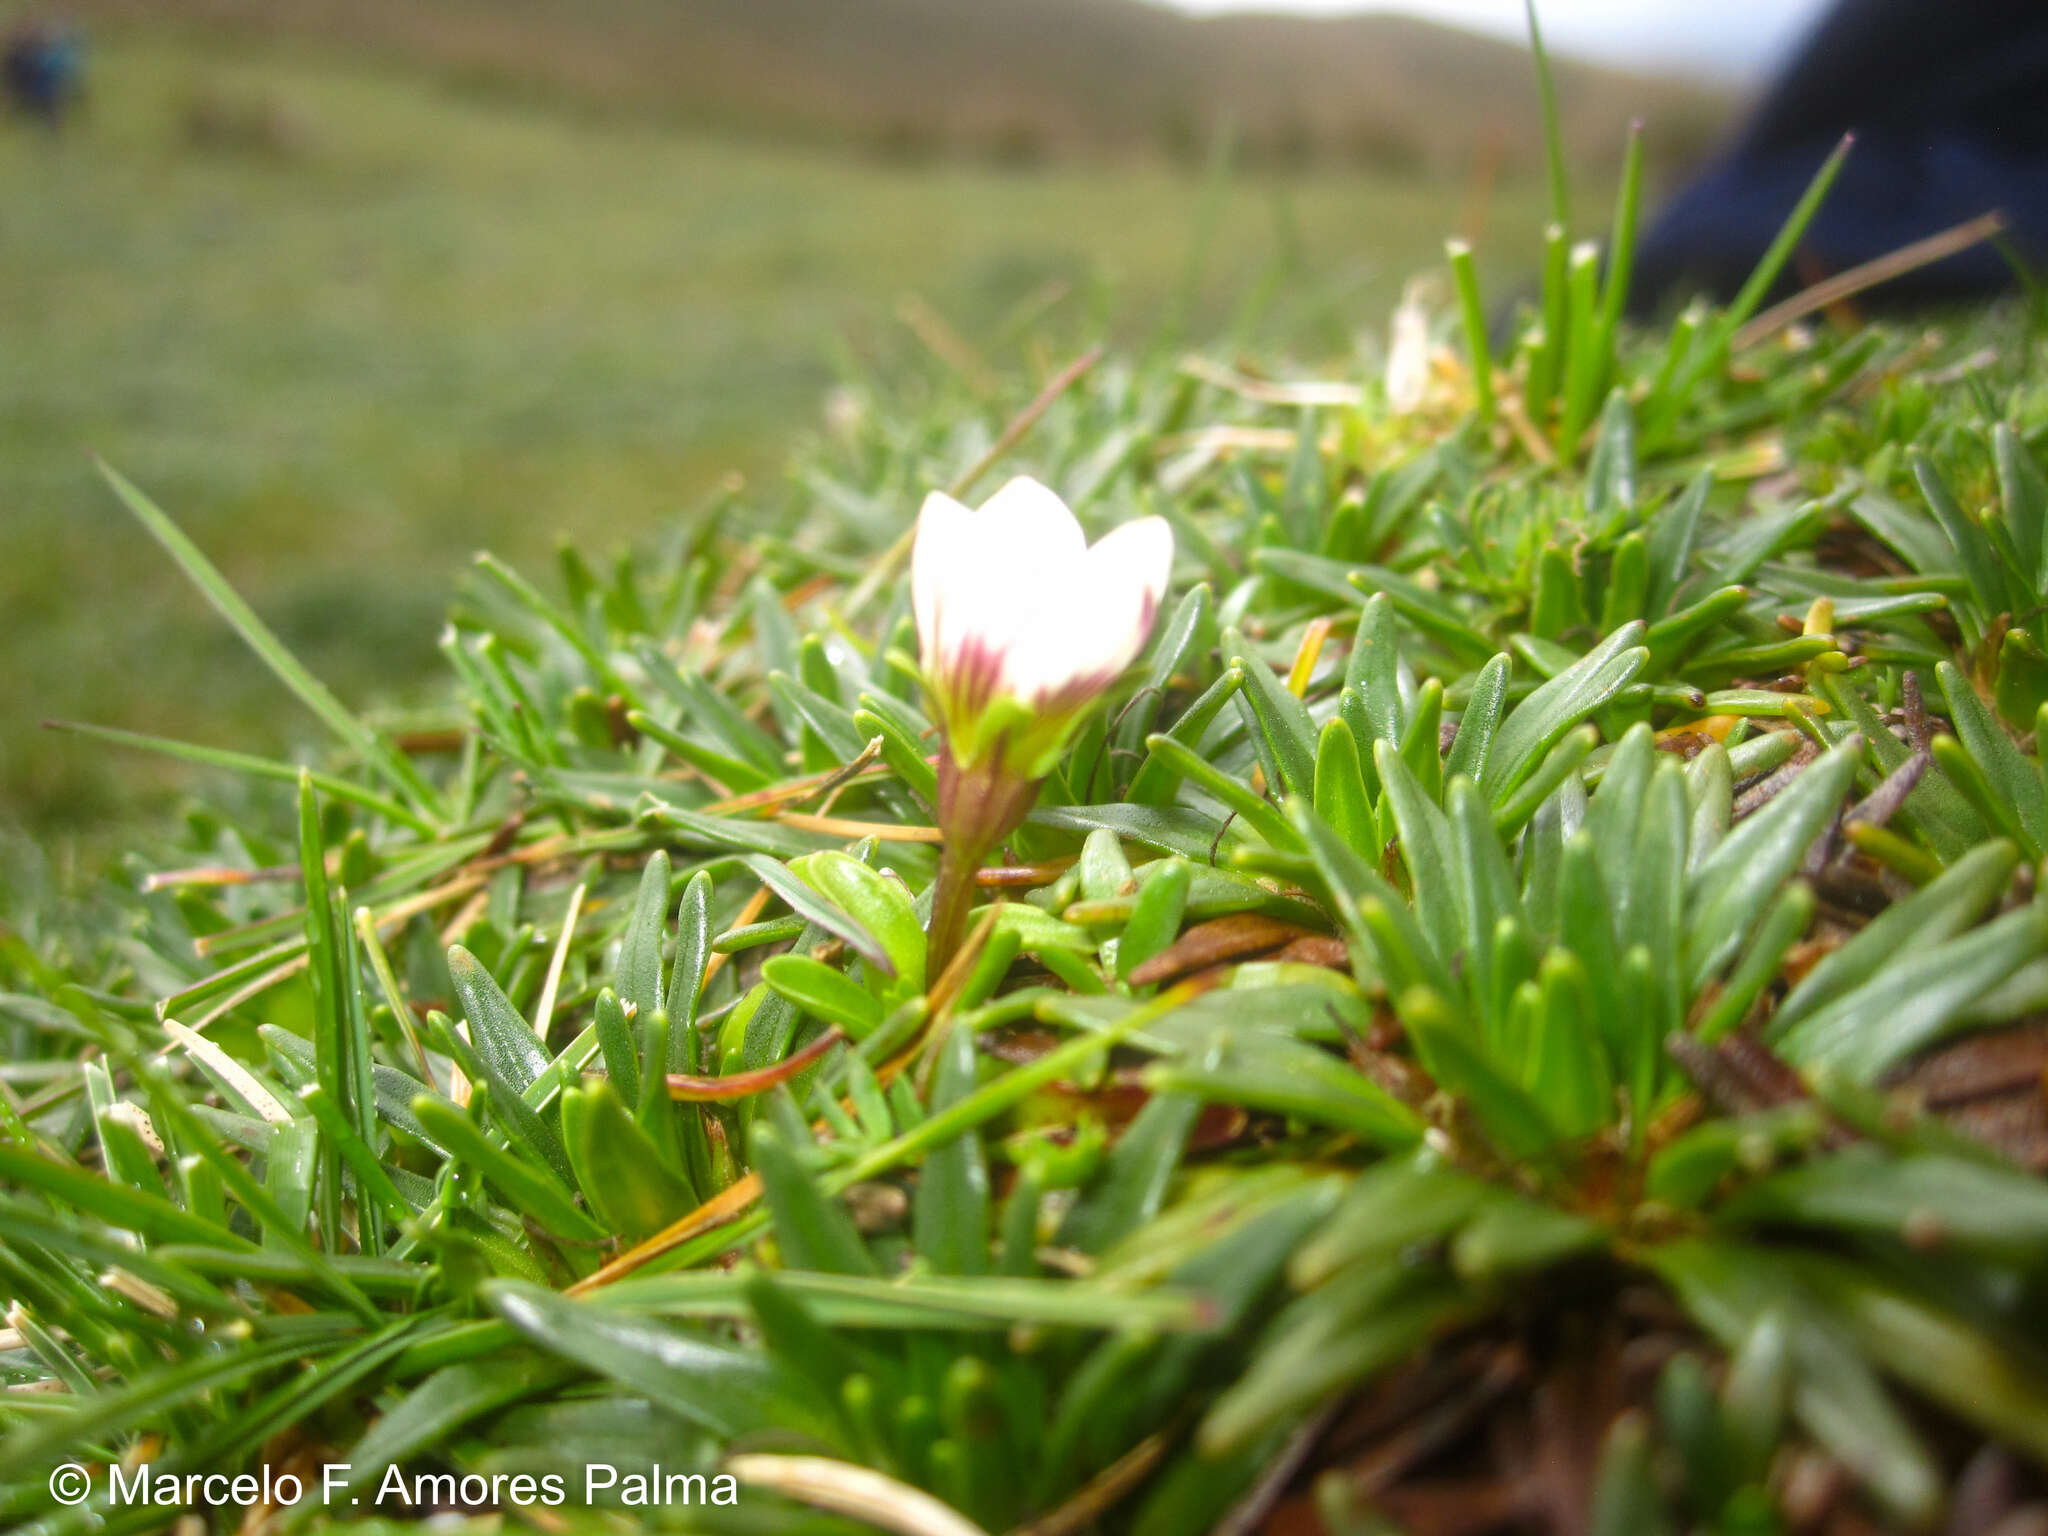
<point>1016,80</point>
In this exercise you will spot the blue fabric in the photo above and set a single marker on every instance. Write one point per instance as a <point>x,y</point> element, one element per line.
<point>1949,102</point>
<point>44,69</point>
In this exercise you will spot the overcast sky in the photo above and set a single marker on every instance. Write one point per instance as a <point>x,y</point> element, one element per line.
<point>1729,38</point>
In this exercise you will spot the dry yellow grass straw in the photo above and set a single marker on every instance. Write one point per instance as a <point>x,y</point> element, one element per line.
<point>1882,269</point>
<point>472,874</point>
<point>840,826</point>
<point>1214,442</point>
<point>947,344</point>
<point>1309,392</point>
<point>1102,1492</point>
<point>1305,658</point>
<point>1516,415</point>
<point>846,1489</point>
<point>204,1051</point>
<point>544,1011</point>
<point>727,1205</point>
<point>214,874</point>
<point>393,915</point>
<point>776,796</point>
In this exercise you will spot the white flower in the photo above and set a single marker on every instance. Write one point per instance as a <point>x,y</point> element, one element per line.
<point>1021,624</point>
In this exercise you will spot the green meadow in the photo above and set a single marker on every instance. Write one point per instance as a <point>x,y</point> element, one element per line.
<point>350,323</point>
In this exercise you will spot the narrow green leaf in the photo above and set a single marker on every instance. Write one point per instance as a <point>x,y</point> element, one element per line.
<point>1155,779</point>
<point>615,1041</point>
<point>1731,885</point>
<point>120,1408</point>
<point>1425,849</point>
<point>1923,1200</point>
<point>950,1217</point>
<point>1779,252</point>
<point>1783,925</point>
<point>443,1404</point>
<point>2016,783</point>
<point>636,976</point>
<point>533,1190</point>
<point>1912,1003</point>
<point>1570,1074</point>
<point>1626,1498</point>
<point>1993,1382</point>
<point>1369,908</point>
<point>1133,1180</point>
<point>812,1230</point>
<point>1280,724</point>
<point>1540,721</point>
<point>1508,1235</point>
<point>1510,1116</point>
<point>881,905</point>
<point>2024,493</point>
<point>1480,722</point>
<point>725,1388</point>
<point>1972,549</point>
<point>334,786</point>
<point>823,993</point>
<point>1189,633</point>
<point>805,900</point>
<point>900,750</point>
<point>1156,916</point>
<point>1931,915</point>
<point>1421,747</point>
<point>1394,1205</point>
<point>183,1128</point>
<point>1341,798</point>
<point>147,1213</point>
<point>1611,471</point>
<point>631,1187</point>
<point>1255,812</point>
<point>370,1176</point>
<point>1346,1332</point>
<point>1472,314</point>
<point>1730,1287</point>
<point>502,1037</point>
<point>686,977</point>
<point>261,639</point>
<point>1372,687</point>
<point>1672,530</point>
<point>1281,1076</point>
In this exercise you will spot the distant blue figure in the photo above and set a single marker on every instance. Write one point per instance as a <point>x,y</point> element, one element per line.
<point>44,69</point>
<point>1948,100</point>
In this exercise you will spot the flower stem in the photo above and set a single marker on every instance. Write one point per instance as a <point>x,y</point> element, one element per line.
<point>979,806</point>
<point>952,901</point>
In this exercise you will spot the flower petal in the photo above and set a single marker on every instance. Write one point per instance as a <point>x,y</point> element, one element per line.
<point>1091,622</point>
<point>1026,521</point>
<point>942,568</point>
<point>989,569</point>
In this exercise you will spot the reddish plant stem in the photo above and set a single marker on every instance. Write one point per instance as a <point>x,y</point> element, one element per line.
<point>979,806</point>
<point>740,1085</point>
<point>952,902</point>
